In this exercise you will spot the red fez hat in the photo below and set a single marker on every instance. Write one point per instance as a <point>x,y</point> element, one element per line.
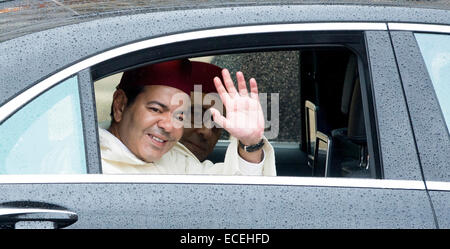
<point>203,74</point>
<point>181,74</point>
<point>174,73</point>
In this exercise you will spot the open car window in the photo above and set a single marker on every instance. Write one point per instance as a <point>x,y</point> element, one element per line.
<point>303,92</point>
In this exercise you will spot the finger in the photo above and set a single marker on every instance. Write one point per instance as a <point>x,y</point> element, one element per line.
<point>253,89</point>
<point>223,94</point>
<point>228,83</point>
<point>242,86</point>
<point>218,118</point>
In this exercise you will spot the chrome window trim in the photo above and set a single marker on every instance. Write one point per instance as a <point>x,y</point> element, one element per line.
<point>438,186</point>
<point>16,211</point>
<point>10,107</point>
<point>433,28</point>
<point>215,180</point>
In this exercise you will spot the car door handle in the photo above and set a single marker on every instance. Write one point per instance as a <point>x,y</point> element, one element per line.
<point>40,218</point>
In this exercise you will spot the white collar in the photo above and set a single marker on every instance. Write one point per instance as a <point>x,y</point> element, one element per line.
<point>113,149</point>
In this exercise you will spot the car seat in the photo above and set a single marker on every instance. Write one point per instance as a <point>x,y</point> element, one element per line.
<point>350,154</point>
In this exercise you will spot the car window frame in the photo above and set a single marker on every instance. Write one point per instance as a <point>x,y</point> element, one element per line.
<point>193,35</point>
<point>89,121</point>
<point>419,93</point>
<point>192,48</point>
<point>432,138</point>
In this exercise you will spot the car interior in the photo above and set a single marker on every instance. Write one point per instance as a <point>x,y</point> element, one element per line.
<point>316,117</point>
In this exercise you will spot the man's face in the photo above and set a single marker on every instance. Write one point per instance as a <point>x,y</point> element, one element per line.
<point>200,141</point>
<point>153,123</point>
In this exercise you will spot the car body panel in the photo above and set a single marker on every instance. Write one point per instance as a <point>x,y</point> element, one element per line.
<point>399,162</point>
<point>106,201</point>
<point>430,131</point>
<point>440,201</point>
<point>24,17</point>
<point>432,138</point>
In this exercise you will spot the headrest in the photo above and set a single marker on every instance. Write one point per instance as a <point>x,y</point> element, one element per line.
<point>349,83</point>
<point>356,127</point>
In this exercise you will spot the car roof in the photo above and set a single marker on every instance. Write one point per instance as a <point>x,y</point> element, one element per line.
<point>19,17</point>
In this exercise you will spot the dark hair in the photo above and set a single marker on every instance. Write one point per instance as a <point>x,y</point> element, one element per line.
<point>131,92</point>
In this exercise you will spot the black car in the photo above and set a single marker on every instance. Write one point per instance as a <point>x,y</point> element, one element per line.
<point>357,111</point>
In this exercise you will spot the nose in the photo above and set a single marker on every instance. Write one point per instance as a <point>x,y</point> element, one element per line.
<point>166,123</point>
<point>205,132</point>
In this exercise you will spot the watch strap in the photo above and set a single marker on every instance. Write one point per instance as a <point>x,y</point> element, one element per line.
<point>253,147</point>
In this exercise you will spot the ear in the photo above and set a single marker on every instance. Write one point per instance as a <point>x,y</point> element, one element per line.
<point>119,104</point>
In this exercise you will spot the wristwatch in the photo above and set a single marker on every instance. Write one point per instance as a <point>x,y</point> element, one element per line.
<point>253,147</point>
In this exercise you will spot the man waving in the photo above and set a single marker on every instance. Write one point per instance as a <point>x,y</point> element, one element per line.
<point>147,124</point>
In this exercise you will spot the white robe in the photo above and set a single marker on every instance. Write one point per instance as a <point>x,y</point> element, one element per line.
<point>118,159</point>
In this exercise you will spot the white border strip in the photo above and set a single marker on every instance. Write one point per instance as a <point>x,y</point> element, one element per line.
<point>419,27</point>
<point>208,179</point>
<point>11,106</point>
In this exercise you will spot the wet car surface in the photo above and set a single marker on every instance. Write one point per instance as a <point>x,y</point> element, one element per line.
<point>59,52</point>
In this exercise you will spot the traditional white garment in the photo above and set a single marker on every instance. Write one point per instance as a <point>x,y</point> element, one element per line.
<point>118,159</point>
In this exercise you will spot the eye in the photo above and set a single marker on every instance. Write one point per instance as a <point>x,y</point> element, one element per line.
<point>154,109</point>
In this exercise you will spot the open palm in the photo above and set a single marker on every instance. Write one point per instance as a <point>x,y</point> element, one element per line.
<point>244,116</point>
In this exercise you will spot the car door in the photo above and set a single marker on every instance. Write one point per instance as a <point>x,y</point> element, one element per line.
<point>424,68</point>
<point>397,199</point>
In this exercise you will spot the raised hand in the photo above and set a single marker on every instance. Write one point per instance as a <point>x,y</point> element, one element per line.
<point>244,116</point>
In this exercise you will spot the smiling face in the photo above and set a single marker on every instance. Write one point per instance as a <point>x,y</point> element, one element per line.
<point>152,124</point>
